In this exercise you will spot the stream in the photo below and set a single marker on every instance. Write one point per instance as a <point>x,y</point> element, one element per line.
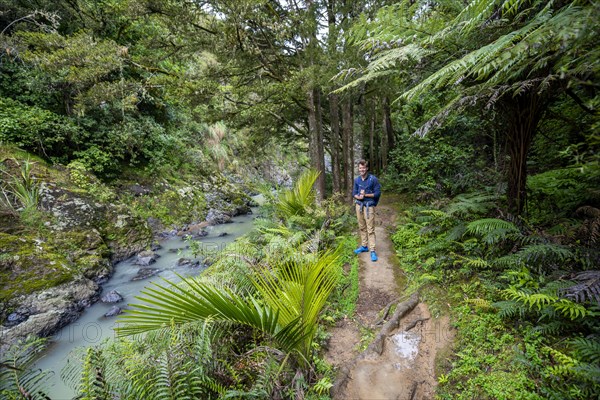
<point>92,327</point>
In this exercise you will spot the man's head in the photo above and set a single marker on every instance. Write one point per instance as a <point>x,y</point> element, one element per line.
<point>363,168</point>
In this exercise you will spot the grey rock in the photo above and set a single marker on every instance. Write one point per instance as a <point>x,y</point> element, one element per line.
<point>146,258</point>
<point>112,297</point>
<point>222,234</point>
<point>15,318</point>
<point>51,309</point>
<point>113,311</point>
<point>138,190</point>
<point>187,262</point>
<point>215,217</point>
<point>144,273</point>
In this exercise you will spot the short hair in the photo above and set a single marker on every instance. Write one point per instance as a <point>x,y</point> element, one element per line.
<point>363,162</point>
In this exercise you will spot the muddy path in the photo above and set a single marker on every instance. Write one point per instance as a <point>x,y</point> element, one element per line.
<point>403,366</point>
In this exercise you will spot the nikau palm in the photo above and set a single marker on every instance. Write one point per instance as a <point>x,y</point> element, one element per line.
<point>286,304</point>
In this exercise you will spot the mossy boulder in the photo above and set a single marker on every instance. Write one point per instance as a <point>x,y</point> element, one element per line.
<point>29,264</point>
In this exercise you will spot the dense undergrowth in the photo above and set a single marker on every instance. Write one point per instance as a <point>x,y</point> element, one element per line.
<point>523,294</point>
<point>253,325</point>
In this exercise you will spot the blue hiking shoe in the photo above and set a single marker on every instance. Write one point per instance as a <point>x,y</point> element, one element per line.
<point>373,256</point>
<point>361,249</point>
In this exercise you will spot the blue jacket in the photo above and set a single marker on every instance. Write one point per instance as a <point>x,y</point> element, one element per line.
<point>370,185</point>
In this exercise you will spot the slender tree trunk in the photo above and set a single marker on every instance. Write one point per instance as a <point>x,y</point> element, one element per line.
<point>524,112</point>
<point>383,149</point>
<point>321,145</point>
<point>348,150</point>
<point>387,123</point>
<point>335,142</point>
<point>372,161</point>
<point>317,159</point>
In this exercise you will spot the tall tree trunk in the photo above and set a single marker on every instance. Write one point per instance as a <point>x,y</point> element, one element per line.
<point>387,123</point>
<point>524,112</point>
<point>321,145</point>
<point>335,142</point>
<point>317,157</point>
<point>383,149</point>
<point>372,161</point>
<point>387,136</point>
<point>348,150</point>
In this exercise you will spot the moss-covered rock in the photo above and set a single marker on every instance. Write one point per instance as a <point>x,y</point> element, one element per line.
<point>29,264</point>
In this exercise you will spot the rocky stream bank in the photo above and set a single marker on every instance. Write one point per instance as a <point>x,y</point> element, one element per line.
<point>53,267</point>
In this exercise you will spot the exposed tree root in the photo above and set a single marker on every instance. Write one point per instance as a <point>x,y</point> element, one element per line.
<point>376,347</point>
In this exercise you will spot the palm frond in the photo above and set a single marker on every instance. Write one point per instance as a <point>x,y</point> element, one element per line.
<point>17,378</point>
<point>297,200</point>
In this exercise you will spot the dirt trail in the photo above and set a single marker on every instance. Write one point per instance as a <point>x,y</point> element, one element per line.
<point>405,367</point>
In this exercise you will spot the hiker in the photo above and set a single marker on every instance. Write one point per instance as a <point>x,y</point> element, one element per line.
<point>366,195</point>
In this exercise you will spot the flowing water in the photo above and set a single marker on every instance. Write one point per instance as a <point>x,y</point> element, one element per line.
<point>92,327</point>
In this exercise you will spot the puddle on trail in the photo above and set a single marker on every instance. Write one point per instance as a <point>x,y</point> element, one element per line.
<point>406,346</point>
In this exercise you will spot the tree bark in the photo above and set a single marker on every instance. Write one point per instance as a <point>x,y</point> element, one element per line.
<point>316,152</point>
<point>335,142</point>
<point>372,160</point>
<point>348,149</point>
<point>524,112</point>
<point>387,123</point>
<point>383,149</point>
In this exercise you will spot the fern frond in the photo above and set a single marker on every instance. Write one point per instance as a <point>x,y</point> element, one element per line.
<point>472,262</point>
<point>485,226</point>
<point>481,303</point>
<point>509,308</point>
<point>564,366</point>
<point>587,349</point>
<point>456,233</point>
<point>553,327</point>
<point>570,309</point>
<point>477,203</point>
<point>531,300</point>
<point>536,254</point>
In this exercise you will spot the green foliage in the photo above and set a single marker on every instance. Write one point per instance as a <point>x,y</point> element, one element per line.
<point>298,200</point>
<point>17,378</point>
<point>293,295</point>
<point>518,318</point>
<point>433,164</point>
<point>22,188</point>
<point>557,192</point>
<point>36,129</point>
<point>492,230</point>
